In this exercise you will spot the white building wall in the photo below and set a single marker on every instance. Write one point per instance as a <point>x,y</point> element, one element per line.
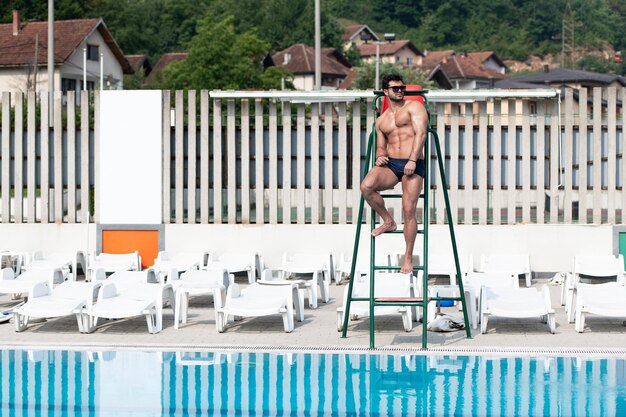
<point>304,82</point>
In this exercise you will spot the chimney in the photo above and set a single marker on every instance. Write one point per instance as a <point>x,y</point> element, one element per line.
<point>286,58</point>
<point>546,68</point>
<point>16,22</point>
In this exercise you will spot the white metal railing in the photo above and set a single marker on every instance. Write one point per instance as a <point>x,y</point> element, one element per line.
<point>512,156</point>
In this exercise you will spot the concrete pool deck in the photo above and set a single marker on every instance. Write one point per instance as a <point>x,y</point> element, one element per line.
<point>319,330</point>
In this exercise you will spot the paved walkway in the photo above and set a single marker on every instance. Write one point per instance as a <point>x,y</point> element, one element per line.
<point>318,330</point>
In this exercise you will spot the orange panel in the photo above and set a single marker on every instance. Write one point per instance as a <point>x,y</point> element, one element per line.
<point>409,87</point>
<point>127,241</point>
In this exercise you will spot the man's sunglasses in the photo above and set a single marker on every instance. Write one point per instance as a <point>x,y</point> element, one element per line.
<point>398,89</point>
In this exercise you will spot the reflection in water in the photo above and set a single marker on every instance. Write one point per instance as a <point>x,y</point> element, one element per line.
<point>59,383</point>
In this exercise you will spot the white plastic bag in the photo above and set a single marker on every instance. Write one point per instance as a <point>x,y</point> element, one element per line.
<point>446,323</point>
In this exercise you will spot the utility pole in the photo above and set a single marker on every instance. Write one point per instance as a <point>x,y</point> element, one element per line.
<point>318,48</point>
<point>51,59</point>
<point>567,50</point>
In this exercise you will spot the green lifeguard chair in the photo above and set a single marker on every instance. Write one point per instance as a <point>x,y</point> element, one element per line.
<point>408,302</point>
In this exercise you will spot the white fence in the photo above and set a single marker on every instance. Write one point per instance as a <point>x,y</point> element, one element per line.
<point>279,158</point>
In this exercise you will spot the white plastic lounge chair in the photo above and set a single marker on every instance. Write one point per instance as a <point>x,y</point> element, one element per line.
<point>124,295</point>
<point>518,264</point>
<point>12,259</point>
<point>181,262</point>
<point>113,262</point>
<point>591,267</point>
<point>196,282</point>
<point>21,284</point>
<point>387,285</point>
<point>65,261</point>
<point>68,298</point>
<point>607,300</point>
<point>269,277</point>
<point>343,267</point>
<point>474,281</point>
<point>319,266</point>
<point>235,263</point>
<point>443,264</point>
<point>257,300</point>
<point>516,303</point>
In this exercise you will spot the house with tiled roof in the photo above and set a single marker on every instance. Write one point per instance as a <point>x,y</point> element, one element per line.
<point>490,60</point>
<point>564,77</point>
<point>300,60</point>
<point>24,55</point>
<point>156,75</point>
<point>461,70</point>
<point>401,52</point>
<point>140,63</point>
<point>355,35</point>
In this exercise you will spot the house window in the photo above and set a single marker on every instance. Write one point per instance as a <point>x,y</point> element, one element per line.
<point>409,60</point>
<point>68,84</point>
<point>397,59</point>
<point>93,52</point>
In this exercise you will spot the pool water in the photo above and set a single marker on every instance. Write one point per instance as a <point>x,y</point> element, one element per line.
<point>135,383</point>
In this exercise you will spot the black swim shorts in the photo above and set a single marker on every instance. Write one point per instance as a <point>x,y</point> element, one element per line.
<point>396,165</point>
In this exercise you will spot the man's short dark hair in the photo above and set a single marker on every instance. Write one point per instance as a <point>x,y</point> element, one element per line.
<point>391,77</point>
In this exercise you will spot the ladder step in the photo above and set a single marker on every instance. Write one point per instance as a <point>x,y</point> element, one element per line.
<point>395,268</point>
<point>400,301</point>
<point>398,195</point>
<point>399,231</point>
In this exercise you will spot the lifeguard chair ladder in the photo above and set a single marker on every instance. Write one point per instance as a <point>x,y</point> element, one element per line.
<point>424,299</point>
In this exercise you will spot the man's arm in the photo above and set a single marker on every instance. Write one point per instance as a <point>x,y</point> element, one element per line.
<point>419,120</point>
<point>381,146</point>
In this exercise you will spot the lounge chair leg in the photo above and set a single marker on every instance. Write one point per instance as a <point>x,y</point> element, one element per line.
<point>81,322</point>
<point>151,319</point>
<point>407,319</point>
<point>313,295</point>
<point>220,320</point>
<point>580,321</point>
<point>89,323</point>
<point>340,319</point>
<point>21,322</point>
<point>552,323</point>
<point>569,306</point>
<point>288,319</point>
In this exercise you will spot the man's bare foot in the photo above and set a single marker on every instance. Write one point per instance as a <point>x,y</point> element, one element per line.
<point>385,227</point>
<point>407,266</point>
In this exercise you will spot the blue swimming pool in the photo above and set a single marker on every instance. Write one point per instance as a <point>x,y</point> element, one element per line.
<point>135,383</point>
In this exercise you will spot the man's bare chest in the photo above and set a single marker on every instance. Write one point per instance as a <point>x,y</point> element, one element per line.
<point>394,121</point>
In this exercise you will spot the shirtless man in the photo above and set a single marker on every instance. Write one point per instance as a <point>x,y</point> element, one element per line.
<point>400,138</point>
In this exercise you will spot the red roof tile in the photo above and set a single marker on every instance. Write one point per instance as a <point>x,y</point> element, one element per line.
<point>387,48</point>
<point>460,66</point>
<point>433,58</point>
<point>138,62</point>
<point>68,34</point>
<point>300,59</point>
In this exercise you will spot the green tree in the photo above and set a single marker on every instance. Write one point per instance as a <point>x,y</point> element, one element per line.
<point>287,22</point>
<point>592,63</point>
<point>366,75</point>
<point>219,58</point>
<point>276,78</point>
